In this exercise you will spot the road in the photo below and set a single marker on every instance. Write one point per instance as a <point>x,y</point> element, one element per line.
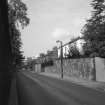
<point>35,89</point>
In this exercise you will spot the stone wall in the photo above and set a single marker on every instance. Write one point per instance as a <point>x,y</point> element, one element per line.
<point>37,67</point>
<point>83,68</point>
<point>100,69</point>
<point>74,67</point>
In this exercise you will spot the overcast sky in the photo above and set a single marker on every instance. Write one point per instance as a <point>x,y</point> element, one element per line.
<point>52,20</point>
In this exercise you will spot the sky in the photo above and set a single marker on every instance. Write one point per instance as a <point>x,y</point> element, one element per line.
<point>52,20</point>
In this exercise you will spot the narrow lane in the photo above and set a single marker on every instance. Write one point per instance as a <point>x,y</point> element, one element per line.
<point>34,89</point>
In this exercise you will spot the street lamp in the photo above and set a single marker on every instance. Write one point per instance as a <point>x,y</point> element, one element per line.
<point>61,56</point>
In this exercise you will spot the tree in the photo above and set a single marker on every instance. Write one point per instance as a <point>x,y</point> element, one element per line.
<point>73,51</point>
<point>94,31</point>
<point>17,14</point>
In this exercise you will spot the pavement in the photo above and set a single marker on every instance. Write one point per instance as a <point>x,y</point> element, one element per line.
<point>40,89</point>
<point>100,86</point>
<point>13,98</point>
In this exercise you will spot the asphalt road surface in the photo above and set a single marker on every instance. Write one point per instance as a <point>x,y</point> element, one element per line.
<point>35,89</point>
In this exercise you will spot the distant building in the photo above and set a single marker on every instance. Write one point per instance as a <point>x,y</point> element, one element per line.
<point>42,55</point>
<point>53,54</point>
<point>45,58</point>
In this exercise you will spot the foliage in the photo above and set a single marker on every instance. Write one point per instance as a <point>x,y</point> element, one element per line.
<point>73,51</point>
<point>17,18</point>
<point>94,31</point>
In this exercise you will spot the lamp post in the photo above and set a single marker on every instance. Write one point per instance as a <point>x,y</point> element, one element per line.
<point>61,56</point>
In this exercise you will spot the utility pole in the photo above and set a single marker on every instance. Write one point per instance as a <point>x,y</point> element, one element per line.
<point>61,56</point>
<point>94,69</point>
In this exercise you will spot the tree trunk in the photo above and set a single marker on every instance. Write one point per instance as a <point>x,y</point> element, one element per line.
<point>5,54</point>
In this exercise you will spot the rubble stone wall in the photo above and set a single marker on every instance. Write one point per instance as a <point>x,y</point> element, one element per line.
<point>73,67</point>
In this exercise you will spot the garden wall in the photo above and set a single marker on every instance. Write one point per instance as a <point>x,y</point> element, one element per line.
<point>74,67</point>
